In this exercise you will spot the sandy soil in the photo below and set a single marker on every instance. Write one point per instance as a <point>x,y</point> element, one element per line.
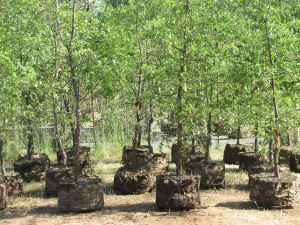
<point>218,207</point>
<point>226,206</point>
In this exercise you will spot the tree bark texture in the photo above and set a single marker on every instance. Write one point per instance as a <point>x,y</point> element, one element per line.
<point>2,157</point>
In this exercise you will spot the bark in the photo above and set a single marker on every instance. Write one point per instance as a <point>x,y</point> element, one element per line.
<point>75,85</point>
<point>57,133</point>
<point>67,107</point>
<point>149,130</point>
<point>140,137</point>
<point>208,140</point>
<point>273,86</point>
<point>179,169</point>
<point>288,139</point>
<point>30,141</point>
<point>77,112</point>
<point>137,137</point>
<point>2,157</point>
<point>179,164</point>
<point>256,137</point>
<point>135,144</point>
<point>138,119</point>
<point>238,134</point>
<point>93,119</point>
<point>193,145</point>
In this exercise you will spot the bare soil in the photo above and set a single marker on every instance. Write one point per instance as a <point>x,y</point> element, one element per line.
<point>223,206</point>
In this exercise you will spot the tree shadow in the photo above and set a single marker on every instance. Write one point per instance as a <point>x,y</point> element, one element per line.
<point>110,161</point>
<point>19,212</point>
<point>132,208</point>
<point>240,205</point>
<point>146,207</point>
<point>34,193</point>
<point>241,187</point>
<point>233,170</point>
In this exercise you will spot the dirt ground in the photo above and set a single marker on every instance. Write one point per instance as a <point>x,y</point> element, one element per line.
<point>226,206</point>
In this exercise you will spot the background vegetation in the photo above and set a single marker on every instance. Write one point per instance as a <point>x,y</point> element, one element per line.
<point>65,65</point>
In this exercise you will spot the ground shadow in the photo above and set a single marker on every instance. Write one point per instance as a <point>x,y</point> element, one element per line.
<point>240,187</point>
<point>146,207</point>
<point>240,205</point>
<point>132,208</point>
<point>232,170</point>
<point>218,161</point>
<point>19,212</point>
<point>34,193</point>
<point>109,161</point>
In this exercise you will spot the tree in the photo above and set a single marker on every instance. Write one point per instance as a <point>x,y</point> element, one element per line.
<point>273,26</point>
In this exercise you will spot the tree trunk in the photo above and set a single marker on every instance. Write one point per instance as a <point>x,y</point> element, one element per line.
<point>67,107</point>
<point>179,169</point>
<point>270,152</point>
<point>238,134</point>
<point>75,85</point>
<point>93,119</point>
<point>77,113</point>
<point>288,139</point>
<point>208,140</point>
<point>57,134</point>
<point>138,119</point>
<point>2,157</point>
<point>135,144</point>
<point>256,137</point>
<point>193,144</point>
<point>140,137</point>
<point>274,101</point>
<point>30,141</point>
<point>179,164</point>
<point>149,131</point>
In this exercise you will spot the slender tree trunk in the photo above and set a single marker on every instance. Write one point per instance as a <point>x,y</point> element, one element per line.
<point>67,107</point>
<point>208,140</point>
<point>288,138</point>
<point>93,119</point>
<point>149,131</point>
<point>256,137</point>
<point>179,163</point>
<point>138,120</point>
<point>238,134</point>
<point>270,152</point>
<point>273,86</point>
<point>75,85</point>
<point>218,119</point>
<point>193,144</point>
<point>57,133</point>
<point>135,145</point>
<point>30,141</point>
<point>2,157</point>
<point>140,137</point>
<point>77,113</point>
<point>179,169</point>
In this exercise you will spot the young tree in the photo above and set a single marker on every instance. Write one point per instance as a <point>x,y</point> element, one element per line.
<point>273,26</point>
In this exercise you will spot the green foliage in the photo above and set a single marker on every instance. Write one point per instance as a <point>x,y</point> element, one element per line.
<point>217,51</point>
